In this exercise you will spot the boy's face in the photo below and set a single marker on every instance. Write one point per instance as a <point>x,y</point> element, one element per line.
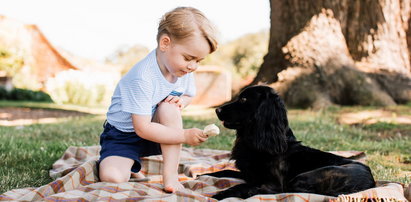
<point>182,57</point>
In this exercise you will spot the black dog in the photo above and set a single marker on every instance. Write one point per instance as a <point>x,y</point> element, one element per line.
<point>271,160</point>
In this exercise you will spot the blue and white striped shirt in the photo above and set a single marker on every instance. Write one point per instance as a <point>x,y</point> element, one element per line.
<point>141,89</point>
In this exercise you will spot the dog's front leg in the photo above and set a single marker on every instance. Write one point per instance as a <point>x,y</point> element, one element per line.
<point>247,190</point>
<point>240,191</point>
<point>226,173</point>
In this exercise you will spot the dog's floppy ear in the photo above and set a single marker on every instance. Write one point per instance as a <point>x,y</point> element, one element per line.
<point>271,125</point>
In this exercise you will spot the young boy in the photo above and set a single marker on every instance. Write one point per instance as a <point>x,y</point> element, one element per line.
<point>145,110</point>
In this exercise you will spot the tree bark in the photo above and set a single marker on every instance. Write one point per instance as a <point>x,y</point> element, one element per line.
<point>346,52</point>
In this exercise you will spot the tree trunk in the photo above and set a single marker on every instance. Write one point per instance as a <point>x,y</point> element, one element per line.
<point>346,52</point>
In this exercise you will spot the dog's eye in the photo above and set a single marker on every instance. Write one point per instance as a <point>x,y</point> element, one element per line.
<point>243,100</point>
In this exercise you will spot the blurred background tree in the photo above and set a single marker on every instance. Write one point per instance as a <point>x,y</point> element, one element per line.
<point>127,56</point>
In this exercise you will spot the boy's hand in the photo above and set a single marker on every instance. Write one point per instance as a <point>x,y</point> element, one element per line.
<point>178,101</point>
<point>194,136</point>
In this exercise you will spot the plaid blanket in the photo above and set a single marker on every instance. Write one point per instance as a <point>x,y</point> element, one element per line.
<point>76,179</point>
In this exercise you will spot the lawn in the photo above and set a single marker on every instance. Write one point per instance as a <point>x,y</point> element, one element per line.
<point>27,152</point>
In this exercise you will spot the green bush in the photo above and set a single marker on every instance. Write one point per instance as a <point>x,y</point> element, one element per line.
<point>82,88</point>
<point>3,94</point>
<point>24,95</point>
<point>29,95</point>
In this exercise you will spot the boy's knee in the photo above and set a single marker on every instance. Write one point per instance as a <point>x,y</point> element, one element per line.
<point>167,109</point>
<point>113,175</point>
<point>169,115</point>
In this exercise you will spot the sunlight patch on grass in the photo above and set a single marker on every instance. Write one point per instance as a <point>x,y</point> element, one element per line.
<point>373,116</point>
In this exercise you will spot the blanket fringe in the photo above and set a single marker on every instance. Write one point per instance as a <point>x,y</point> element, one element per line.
<point>345,198</point>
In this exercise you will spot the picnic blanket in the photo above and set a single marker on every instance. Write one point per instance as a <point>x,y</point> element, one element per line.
<point>76,179</point>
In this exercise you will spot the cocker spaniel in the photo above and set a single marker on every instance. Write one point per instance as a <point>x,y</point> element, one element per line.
<point>270,159</point>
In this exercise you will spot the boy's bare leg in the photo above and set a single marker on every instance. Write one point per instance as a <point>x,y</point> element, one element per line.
<point>169,115</point>
<point>171,159</point>
<point>115,169</point>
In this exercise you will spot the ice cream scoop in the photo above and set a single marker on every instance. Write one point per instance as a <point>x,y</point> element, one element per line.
<point>211,130</point>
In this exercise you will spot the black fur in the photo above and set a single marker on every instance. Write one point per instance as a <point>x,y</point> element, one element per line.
<point>271,160</point>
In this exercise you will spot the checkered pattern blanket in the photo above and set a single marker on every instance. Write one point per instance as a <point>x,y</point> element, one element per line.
<point>76,179</point>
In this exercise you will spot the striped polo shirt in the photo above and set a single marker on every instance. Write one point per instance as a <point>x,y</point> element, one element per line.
<point>141,89</point>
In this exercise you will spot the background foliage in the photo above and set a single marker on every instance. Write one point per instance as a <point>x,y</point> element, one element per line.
<point>82,88</point>
<point>10,61</point>
<point>24,94</point>
<point>242,56</point>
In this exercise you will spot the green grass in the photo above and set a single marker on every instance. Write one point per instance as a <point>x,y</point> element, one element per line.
<point>27,153</point>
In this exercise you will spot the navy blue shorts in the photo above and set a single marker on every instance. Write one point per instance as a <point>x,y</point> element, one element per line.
<point>126,144</point>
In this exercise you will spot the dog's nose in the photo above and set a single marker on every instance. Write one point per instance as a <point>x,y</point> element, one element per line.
<point>218,110</point>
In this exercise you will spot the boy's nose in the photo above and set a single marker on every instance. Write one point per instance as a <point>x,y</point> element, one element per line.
<point>192,66</point>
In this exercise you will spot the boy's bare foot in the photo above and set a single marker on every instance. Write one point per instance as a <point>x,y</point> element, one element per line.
<point>139,177</point>
<point>172,185</point>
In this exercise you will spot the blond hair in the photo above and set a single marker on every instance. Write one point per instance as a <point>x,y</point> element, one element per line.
<point>183,22</point>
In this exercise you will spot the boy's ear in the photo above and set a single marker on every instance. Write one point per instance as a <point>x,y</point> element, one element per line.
<point>165,42</point>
